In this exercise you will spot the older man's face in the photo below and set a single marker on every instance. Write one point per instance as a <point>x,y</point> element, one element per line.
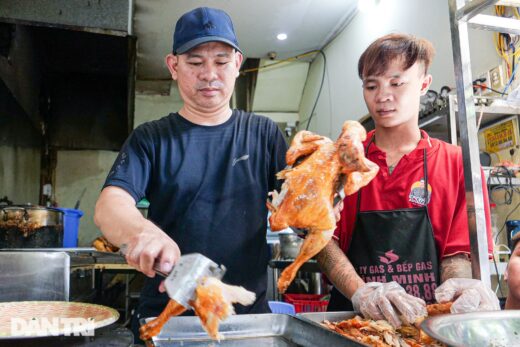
<point>206,75</point>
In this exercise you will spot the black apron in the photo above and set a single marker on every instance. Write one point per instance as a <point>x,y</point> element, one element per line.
<point>395,245</point>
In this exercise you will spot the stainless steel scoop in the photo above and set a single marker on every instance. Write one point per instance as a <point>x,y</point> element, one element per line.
<point>182,281</point>
<point>185,276</point>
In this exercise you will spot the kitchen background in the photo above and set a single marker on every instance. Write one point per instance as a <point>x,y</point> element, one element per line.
<point>77,76</point>
<point>71,94</point>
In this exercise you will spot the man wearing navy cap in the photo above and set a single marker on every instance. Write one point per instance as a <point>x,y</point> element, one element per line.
<point>513,274</point>
<point>206,171</point>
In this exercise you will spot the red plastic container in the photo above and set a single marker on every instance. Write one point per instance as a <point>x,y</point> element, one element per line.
<point>307,302</point>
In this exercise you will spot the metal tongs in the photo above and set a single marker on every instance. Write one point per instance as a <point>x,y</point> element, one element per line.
<point>182,281</point>
<point>337,199</point>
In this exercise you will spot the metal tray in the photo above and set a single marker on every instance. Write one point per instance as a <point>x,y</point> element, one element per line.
<point>477,329</point>
<point>318,317</point>
<point>276,330</point>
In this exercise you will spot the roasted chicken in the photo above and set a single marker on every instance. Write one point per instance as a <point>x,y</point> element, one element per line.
<point>381,334</point>
<point>101,244</point>
<point>213,303</point>
<point>153,327</point>
<point>319,168</point>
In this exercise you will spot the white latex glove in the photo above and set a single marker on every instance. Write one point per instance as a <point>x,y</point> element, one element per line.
<point>469,294</point>
<point>388,301</point>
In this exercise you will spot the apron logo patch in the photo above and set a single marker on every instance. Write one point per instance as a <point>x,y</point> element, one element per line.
<point>416,196</point>
<point>389,257</point>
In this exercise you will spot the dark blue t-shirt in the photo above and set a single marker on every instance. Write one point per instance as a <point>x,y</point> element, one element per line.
<point>207,187</point>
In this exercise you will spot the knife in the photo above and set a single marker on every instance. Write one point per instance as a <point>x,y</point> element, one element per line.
<point>182,281</point>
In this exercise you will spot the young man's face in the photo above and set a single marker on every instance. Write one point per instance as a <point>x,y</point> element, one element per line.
<point>393,98</point>
<point>206,75</point>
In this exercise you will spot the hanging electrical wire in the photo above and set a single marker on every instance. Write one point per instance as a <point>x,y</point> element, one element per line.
<point>501,47</point>
<point>319,90</point>
<point>300,56</point>
<point>515,11</point>
<point>484,87</point>
<point>498,277</point>
<point>506,219</point>
<point>506,44</point>
<point>267,66</point>
<point>510,81</point>
<point>501,179</point>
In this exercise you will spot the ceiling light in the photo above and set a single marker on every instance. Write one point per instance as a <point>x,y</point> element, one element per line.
<point>367,5</point>
<point>281,36</point>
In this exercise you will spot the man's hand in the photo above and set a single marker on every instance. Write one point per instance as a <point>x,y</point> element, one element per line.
<point>388,301</point>
<point>152,246</point>
<point>469,294</point>
<point>122,223</point>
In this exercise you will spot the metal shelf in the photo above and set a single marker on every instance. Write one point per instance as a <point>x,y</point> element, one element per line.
<point>499,180</point>
<point>442,123</point>
<point>497,110</point>
<point>463,15</point>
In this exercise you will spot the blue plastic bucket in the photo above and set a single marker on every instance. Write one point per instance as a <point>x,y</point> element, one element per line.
<point>512,227</point>
<point>70,226</point>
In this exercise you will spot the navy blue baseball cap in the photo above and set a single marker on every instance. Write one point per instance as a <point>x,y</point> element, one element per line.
<point>203,25</point>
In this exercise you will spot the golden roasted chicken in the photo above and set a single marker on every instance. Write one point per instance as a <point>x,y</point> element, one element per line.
<point>101,244</point>
<point>318,168</point>
<point>213,303</point>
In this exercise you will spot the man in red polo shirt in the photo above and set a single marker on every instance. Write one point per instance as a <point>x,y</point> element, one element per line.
<point>406,232</point>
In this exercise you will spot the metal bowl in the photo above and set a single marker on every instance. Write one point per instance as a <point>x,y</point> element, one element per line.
<point>497,329</point>
<point>290,245</point>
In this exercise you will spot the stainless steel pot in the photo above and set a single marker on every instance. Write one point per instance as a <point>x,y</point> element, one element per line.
<point>30,226</point>
<point>290,245</point>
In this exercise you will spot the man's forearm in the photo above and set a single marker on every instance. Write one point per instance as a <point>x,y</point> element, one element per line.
<point>455,266</point>
<point>339,270</point>
<point>117,217</point>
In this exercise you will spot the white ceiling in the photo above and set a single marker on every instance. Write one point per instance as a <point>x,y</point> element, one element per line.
<point>309,25</point>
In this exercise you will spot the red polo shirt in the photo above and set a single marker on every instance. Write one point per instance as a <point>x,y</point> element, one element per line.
<point>402,189</point>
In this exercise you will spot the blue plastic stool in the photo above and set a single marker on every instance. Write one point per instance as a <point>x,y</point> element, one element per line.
<point>281,307</point>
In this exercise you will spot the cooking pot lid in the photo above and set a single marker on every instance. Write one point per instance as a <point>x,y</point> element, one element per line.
<point>30,207</point>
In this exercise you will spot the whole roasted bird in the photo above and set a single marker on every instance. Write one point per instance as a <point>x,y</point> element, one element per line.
<point>213,303</point>
<point>319,168</point>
